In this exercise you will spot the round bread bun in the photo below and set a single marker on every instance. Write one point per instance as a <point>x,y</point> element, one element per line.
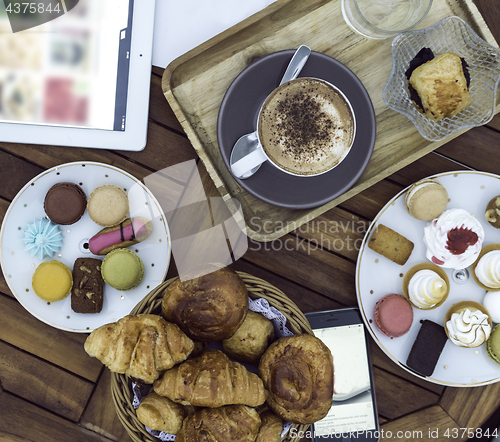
<point>209,307</point>
<point>297,371</point>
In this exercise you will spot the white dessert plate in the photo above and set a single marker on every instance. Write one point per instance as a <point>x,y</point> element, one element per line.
<point>18,265</point>
<point>377,276</point>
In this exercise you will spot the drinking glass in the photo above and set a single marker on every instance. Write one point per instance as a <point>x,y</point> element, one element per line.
<point>381,19</point>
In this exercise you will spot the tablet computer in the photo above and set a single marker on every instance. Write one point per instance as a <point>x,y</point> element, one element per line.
<point>76,72</point>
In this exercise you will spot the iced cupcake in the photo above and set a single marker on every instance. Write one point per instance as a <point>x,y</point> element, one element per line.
<point>468,324</point>
<point>426,286</point>
<point>454,239</point>
<point>486,270</point>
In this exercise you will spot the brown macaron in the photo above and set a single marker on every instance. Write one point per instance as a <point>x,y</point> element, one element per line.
<point>65,203</point>
<point>426,199</point>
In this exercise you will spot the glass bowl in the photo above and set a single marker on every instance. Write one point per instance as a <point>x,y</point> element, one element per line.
<point>451,34</point>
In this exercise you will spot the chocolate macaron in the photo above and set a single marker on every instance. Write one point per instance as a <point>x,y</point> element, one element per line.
<point>65,203</point>
<point>393,315</point>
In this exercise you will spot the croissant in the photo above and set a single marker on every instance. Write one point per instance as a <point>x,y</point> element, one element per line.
<point>298,373</point>
<point>140,346</point>
<point>271,428</point>
<point>161,414</point>
<point>230,423</point>
<point>211,380</point>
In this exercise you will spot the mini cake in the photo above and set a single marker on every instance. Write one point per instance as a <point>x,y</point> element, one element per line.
<point>426,286</point>
<point>128,233</point>
<point>486,270</point>
<point>393,315</point>
<point>468,324</point>
<point>492,213</point>
<point>52,281</point>
<point>491,302</point>
<point>42,238</point>
<point>390,244</point>
<point>108,205</point>
<point>426,199</point>
<point>88,286</point>
<point>493,345</point>
<point>122,269</point>
<point>65,203</point>
<point>427,348</point>
<point>441,86</point>
<point>454,239</point>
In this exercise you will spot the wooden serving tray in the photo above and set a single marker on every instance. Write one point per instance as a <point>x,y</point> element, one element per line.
<point>195,83</point>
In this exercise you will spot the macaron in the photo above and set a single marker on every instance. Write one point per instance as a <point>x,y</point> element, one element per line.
<point>52,281</point>
<point>491,302</point>
<point>108,205</point>
<point>122,269</point>
<point>65,203</point>
<point>426,199</point>
<point>493,345</point>
<point>393,315</point>
<point>492,213</point>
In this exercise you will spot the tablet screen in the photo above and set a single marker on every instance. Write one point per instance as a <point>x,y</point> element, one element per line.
<point>70,71</point>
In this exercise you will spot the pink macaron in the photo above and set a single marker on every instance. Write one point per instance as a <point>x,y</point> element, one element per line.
<point>393,315</point>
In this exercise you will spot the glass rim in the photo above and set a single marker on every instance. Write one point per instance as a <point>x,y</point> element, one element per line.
<point>384,31</point>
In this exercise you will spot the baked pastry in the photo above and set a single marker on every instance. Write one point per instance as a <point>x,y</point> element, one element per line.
<point>251,339</point>
<point>42,238</point>
<point>211,380</point>
<point>390,244</point>
<point>270,428</point>
<point>140,346</point>
<point>161,414</point>
<point>231,423</point>
<point>298,374</point>
<point>426,199</point>
<point>427,348</point>
<point>441,87</point>
<point>426,286</point>
<point>486,270</point>
<point>468,324</point>
<point>492,213</point>
<point>207,308</point>
<point>393,315</point>
<point>122,269</point>
<point>65,203</point>
<point>493,345</point>
<point>454,239</point>
<point>108,205</point>
<point>126,234</point>
<point>52,281</point>
<point>87,294</point>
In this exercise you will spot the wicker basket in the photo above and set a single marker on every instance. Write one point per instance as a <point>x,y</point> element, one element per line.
<point>121,388</point>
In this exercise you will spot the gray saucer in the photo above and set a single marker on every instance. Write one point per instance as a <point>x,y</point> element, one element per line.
<point>238,116</point>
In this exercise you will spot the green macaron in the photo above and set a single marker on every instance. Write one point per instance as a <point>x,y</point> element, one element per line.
<point>122,269</point>
<point>493,344</point>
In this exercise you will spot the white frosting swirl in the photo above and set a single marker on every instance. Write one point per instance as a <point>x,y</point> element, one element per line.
<point>468,328</point>
<point>488,269</point>
<point>437,240</point>
<point>426,288</point>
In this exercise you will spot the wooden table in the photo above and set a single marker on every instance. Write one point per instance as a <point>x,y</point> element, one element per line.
<point>52,391</point>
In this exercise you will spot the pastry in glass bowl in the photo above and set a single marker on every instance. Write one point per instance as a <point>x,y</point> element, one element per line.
<point>439,87</point>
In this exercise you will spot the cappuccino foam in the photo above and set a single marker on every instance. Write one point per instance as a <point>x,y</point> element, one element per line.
<point>306,127</point>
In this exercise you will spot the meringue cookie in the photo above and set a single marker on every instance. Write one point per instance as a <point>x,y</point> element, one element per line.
<point>426,289</point>
<point>488,269</point>
<point>468,328</point>
<point>42,238</point>
<point>454,239</point>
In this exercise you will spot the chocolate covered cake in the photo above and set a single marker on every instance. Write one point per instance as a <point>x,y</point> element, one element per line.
<point>427,348</point>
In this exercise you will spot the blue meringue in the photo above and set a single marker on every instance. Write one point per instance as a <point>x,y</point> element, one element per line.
<point>42,238</point>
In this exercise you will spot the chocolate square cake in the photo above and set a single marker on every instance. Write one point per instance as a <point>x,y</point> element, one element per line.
<point>88,286</point>
<point>427,348</point>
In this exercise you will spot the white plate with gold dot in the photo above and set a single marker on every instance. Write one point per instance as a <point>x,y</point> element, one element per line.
<point>377,276</point>
<point>18,265</point>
